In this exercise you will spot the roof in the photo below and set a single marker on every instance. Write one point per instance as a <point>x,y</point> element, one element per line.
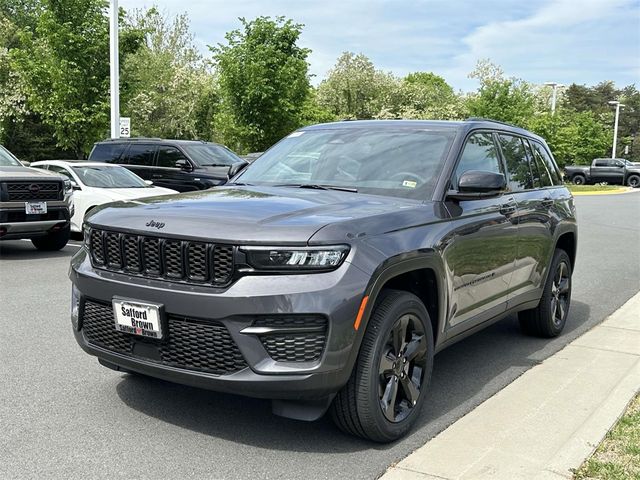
<point>71,163</point>
<point>468,124</point>
<point>154,140</point>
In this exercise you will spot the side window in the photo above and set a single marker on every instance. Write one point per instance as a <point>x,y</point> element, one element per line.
<point>140,154</point>
<point>602,163</point>
<point>517,163</point>
<point>107,152</point>
<point>62,171</point>
<point>168,156</point>
<point>542,155</point>
<point>541,176</point>
<point>479,153</point>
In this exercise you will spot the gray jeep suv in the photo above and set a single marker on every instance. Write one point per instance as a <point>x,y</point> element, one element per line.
<point>330,272</point>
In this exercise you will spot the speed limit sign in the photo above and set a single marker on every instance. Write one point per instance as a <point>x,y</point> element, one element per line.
<point>125,127</point>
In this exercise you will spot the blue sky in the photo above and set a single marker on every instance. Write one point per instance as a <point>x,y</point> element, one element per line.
<point>581,41</point>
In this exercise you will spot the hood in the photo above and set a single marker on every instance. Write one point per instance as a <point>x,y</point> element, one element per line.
<point>276,215</point>
<point>132,193</point>
<point>26,173</point>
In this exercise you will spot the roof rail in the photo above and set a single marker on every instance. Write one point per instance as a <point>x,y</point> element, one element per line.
<point>131,139</point>
<point>482,119</point>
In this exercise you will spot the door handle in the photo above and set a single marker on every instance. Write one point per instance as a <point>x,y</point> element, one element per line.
<point>508,208</point>
<point>547,202</point>
<point>156,175</point>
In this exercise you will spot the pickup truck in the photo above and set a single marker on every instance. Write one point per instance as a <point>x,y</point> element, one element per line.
<point>609,170</point>
<point>34,204</point>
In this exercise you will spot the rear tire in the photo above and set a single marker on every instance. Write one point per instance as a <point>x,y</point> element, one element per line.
<point>385,393</point>
<point>579,180</point>
<point>550,316</point>
<point>633,181</point>
<point>53,241</point>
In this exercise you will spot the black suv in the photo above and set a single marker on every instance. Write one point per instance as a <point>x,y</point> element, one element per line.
<point>182,165</point>
<point>329,272</point>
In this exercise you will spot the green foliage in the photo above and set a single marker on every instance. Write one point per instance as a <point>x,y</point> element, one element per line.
<point>354,89</point>
<point>574,137</point>
<point>168,90</point>
<point>263,83</point>
<point>64,66</point>
<point>506,99</point>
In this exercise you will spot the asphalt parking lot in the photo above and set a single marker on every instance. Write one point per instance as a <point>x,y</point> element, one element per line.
<point>64,416</point>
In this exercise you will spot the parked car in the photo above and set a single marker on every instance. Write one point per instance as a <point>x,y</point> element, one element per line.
<point>330,272</point>
<point>97,183</point>
<point>182,165</point>
<point>33,204</point>
<point>609,170</point>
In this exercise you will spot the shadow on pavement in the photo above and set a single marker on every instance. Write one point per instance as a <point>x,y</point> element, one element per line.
<point>24,250</point>
<point>465,374</point>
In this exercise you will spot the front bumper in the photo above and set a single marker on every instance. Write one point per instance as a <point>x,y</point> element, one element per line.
<point>333,295</point>
<point>15,224</point>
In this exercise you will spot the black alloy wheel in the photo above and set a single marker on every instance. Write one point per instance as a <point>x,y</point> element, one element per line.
<point>402,368</point>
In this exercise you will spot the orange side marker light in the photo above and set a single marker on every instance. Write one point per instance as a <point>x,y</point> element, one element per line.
<point>363,305</point>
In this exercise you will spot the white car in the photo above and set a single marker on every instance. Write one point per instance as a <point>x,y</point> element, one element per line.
<point>96,183</point>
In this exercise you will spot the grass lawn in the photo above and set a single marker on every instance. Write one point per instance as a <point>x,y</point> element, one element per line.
<point>618,456</point>
<point>595,188</point>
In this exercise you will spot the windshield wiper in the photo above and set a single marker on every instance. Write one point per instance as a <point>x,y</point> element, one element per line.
<point>215,165</point>
<point>317,186</point>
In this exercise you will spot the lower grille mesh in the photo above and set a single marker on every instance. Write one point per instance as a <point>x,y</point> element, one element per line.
<point>290,345</point>
<point>191,344</point>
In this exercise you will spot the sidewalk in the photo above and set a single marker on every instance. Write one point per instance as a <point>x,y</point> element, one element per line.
<point>549,420</point>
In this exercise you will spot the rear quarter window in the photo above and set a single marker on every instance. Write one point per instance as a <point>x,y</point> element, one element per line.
<point>107,152</point>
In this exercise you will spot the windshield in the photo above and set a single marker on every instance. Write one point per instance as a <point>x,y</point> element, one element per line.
<point>400,162</point>
<point>207,154</point>
<point>7,159</point>
<point>108,177</point>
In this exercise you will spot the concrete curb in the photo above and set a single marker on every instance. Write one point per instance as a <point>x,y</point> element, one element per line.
<point>549,420</point>
<point>617,191</point>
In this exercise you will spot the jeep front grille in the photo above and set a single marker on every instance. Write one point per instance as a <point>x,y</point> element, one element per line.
<point>190,343</point>
<point>165,259</point>
<point>33,191</point>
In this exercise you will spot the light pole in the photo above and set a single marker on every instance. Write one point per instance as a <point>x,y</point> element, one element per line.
<point>617,104</point>
<point>554,86</point>
<point>115,69</point>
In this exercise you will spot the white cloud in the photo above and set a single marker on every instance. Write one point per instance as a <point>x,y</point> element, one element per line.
<point>585,41</point>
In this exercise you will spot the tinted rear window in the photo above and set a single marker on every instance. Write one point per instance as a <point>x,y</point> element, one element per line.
<point>140,154</point>
<point>107,152</point>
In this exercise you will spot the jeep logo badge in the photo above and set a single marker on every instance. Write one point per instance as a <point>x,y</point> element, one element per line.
<point>155,224</point>
<point>34,188</point>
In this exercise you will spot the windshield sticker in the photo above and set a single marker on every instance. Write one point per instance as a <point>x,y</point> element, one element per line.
<point>294,134</point>
<point>409,183</point>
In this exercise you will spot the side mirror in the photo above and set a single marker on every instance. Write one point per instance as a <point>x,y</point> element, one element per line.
<point>148,182</point>
<point>183,164</point>
<point>477,184</point>
<point>237,168</point>
<point>74,185</point>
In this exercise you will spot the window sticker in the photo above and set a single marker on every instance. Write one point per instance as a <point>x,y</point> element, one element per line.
<point>409,183</point>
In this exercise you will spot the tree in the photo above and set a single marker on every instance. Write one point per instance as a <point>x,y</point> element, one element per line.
<point>355,89</point>
<point>263,81</point>
<point>169,90</point>
<point>63,64</point>
<point>422,95</point>
<point>574,137</point>
<point>506,99</point>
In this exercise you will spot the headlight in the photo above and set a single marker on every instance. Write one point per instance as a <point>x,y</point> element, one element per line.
<point>86,236</point>
<point>292,258</point>
<point>67,186</point>
<point>75,307</point>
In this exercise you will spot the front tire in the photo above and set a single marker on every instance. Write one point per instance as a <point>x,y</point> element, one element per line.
<point>386,390</point>
<point>633,181</point>
<point>53,241</point>
<point>550,316</point>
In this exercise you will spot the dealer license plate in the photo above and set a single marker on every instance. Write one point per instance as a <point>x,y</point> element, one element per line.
<point>35,208</point>
<point>138,318</point>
